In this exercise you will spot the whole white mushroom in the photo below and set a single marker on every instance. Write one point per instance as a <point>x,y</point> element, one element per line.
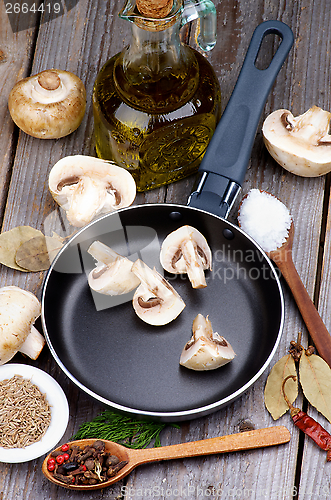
<point>48,105</point>
<point>19,309</point>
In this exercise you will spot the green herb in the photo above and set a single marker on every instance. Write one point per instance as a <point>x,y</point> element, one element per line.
<point>121,429</point>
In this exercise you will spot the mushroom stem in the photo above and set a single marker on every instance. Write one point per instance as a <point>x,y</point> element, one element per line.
<point>103,253</point>
<point>49,80</point>
<point>312,125</point>
<point>186,250</point>
<point>194,264</point>
<point>33,344</point>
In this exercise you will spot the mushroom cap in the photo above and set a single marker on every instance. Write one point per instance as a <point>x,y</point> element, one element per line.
<point>155,301</point>
<point>206,350</point>
<point>85,187</point>
<point>186,251</point>
<point>302,144</point>
<point>48,105</point>
<point>18,311</point>
<point>112,274</point>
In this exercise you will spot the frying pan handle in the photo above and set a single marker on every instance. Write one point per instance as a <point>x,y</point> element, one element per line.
<point>225,162</point>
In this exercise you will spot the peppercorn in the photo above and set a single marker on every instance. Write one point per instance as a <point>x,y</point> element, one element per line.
<point>83,466</point>
<point>60,459</point>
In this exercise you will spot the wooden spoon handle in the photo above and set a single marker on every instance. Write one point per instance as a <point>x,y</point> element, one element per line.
<point>317,329</point>
<point>233,442</point>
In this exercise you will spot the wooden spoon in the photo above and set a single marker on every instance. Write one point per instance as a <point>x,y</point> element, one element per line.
<point>282,257</point>
<point>234,442</point>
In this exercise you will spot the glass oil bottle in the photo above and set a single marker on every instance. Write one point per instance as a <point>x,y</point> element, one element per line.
<point>157,103</point>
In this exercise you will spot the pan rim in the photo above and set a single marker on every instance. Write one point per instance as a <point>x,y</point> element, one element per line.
<point>172,416</point>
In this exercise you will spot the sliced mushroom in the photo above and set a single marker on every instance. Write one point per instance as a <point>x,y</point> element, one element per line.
<point>206,350</point>
<point>48,105</point>
<point>302,144</point>
<point>186,251</point>
<point>18,311</point>
<point>155,301</point>
<point>112,274</point>
<point>86,187</point>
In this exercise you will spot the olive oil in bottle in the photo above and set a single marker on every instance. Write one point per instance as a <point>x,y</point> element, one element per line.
<point>156,106</point>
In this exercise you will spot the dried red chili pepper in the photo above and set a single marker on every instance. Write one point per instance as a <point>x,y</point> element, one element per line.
<point>308,425</point>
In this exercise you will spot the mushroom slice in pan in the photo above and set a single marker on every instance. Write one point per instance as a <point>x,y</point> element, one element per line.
<point>48,105</point>
<point>186,251</point>
<point>18,311</point>
<point>301,144</point>
<point>206,350</point>
<point>86,187</point>
<point>155,301</point>
<point>112,274</point>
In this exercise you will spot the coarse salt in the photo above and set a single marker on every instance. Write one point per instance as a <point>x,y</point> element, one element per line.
<point>265,218</point>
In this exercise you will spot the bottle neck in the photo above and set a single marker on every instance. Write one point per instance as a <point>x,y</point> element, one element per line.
<point>155,52</point>
<point>155,65</point>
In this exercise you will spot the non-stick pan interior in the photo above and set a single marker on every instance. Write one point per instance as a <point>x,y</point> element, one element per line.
<point>120,360</point>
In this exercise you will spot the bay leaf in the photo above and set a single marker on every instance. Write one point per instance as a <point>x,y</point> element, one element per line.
<point>11,240</point>
<point>273,394</point>
<point>37,253</point>
<point>315,379</point>
<point>54,244</point>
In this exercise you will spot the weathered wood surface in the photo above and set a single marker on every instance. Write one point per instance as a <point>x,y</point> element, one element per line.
<point>81,40</point>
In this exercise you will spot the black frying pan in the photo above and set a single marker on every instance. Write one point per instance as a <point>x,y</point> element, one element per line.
<point>100,343</point>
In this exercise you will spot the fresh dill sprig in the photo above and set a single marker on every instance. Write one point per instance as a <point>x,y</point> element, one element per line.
<point>127,431</point>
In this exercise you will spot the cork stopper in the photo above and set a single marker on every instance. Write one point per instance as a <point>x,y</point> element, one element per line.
<point>156,9</point>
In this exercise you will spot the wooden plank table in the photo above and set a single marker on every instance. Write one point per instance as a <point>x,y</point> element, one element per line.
<point>80,39</point>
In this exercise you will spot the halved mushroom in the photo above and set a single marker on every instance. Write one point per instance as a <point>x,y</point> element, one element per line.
<point>302,144</point>
<point>48,105</point>
<point>206,350</point>
<point>112,274</point>
<point>155,301</point>
<point>186,251</point>
<point>85,187</point>
<point>18,311</point>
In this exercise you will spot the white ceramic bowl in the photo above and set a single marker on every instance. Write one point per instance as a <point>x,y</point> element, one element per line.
<point>59,413</point>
